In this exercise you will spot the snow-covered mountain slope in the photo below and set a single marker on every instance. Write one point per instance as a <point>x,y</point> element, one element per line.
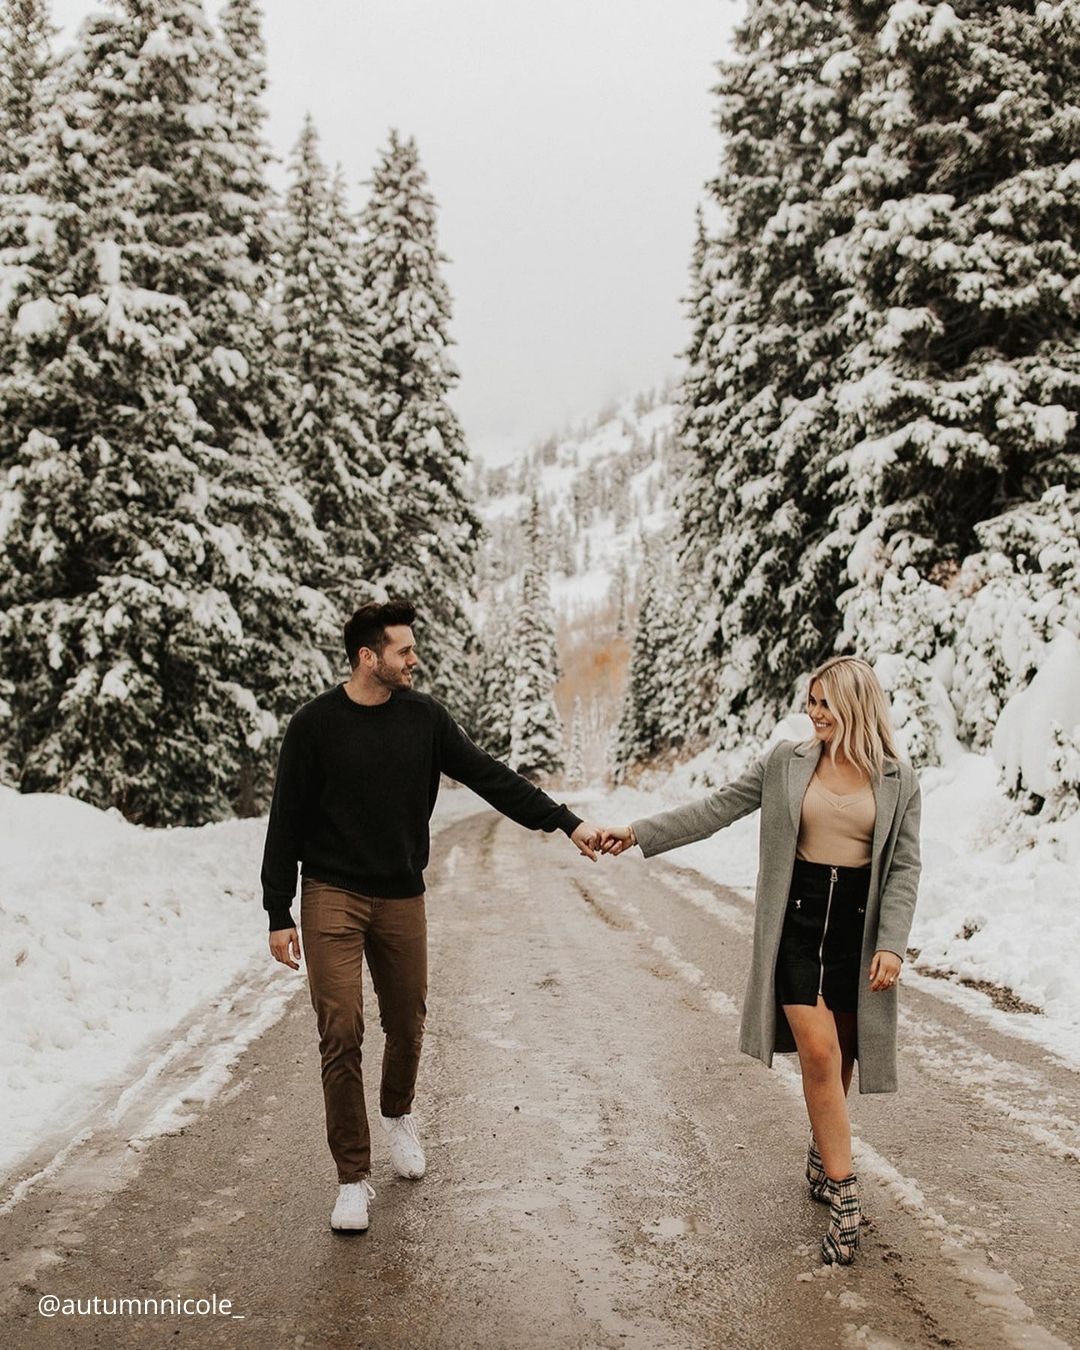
<point>604,493</point>
<point>603,489</point>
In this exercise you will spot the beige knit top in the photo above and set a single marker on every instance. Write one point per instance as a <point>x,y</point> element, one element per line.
<point>836,830</point>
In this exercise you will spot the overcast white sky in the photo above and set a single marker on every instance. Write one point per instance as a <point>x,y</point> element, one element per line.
<point>567,142</point>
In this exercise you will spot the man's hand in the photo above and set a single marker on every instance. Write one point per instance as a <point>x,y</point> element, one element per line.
<point>285,947</point>
<point>587,839</point>
<point>884,970</point>
<point>616,839</point>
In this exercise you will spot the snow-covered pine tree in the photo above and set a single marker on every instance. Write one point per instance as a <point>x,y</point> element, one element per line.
<point>242,87</point>
<point>25,70</point>
<point>575,758</point>
<point>240,318</point>
<point>694,433</point>
<point>535,725</point>
<point>429,556</point>
<point>959,389</point>
<point>242,379</point>
<point>25,59</point>
<point>754,415</point>
<point>657,690</point>
<point>329,432</point>
<point>619,598</point>
<point>498,671</point>
<point>151,633</point>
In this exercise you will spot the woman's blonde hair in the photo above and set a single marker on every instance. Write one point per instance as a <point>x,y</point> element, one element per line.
<point>861,711</point>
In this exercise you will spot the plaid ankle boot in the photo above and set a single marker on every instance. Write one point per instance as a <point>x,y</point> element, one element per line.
<point>815,1172</point>
<point>841,1238</point>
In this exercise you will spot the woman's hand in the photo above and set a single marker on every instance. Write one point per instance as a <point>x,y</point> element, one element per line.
<point>616,839</point>
<point>884,970</point>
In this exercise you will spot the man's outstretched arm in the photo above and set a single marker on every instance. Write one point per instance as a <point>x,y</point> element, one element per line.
<point>508,792</point>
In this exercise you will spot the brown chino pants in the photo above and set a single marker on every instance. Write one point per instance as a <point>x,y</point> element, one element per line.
<point>337,928</point>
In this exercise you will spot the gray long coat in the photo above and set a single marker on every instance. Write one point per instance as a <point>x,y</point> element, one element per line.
<point>776,783</point>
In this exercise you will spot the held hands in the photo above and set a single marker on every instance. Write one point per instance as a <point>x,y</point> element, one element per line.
<point>884,970</point>
<point>592,840</point>
<point>616,839</point>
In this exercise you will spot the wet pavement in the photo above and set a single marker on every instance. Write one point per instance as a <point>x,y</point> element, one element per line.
<point>605,1170</point>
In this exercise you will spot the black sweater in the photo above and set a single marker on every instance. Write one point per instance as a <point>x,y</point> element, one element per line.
<point>355,789</point>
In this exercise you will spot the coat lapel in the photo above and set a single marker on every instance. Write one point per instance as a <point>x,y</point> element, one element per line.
<point>801,766</point>
<point>886,795</point>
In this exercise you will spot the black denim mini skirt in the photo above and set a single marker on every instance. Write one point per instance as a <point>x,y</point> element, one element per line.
<point>821,943</point>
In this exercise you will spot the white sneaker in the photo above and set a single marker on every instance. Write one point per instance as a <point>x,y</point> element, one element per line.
<point>406,1151</point>
<point>351,1211</point>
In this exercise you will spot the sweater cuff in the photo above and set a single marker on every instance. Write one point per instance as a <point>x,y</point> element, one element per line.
<point>281,918</point>
<point>567,821</point>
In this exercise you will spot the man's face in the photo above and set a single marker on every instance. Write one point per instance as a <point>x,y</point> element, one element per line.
<point>394,665</point>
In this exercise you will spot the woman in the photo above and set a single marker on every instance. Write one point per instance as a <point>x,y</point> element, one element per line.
<point>837,879</point>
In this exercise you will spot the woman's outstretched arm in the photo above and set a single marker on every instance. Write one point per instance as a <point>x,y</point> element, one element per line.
<point>696,820</point>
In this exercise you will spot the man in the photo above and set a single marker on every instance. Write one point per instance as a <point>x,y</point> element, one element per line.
<point>358,776</point>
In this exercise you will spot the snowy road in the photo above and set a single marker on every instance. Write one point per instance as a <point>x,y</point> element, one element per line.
<point>605,1169</point>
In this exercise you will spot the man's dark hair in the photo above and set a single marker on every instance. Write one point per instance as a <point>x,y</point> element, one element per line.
<point>367,627</point>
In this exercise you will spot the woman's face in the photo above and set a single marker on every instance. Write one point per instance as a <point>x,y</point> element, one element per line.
<point>822,718</point>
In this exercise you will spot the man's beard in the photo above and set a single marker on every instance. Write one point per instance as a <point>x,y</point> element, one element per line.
<point>391,679</point>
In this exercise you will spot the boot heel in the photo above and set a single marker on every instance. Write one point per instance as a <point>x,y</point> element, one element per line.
<point>841,1240</point>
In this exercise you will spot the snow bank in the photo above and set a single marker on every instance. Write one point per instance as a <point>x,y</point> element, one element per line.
<point>1023,737</point>
<point>988,910</point>
<point>114,935</point>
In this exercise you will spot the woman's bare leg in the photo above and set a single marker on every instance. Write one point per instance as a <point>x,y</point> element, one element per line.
<point>822,1061</point>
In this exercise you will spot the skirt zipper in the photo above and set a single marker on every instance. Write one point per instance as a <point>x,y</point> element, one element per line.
<point>824,930</point>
